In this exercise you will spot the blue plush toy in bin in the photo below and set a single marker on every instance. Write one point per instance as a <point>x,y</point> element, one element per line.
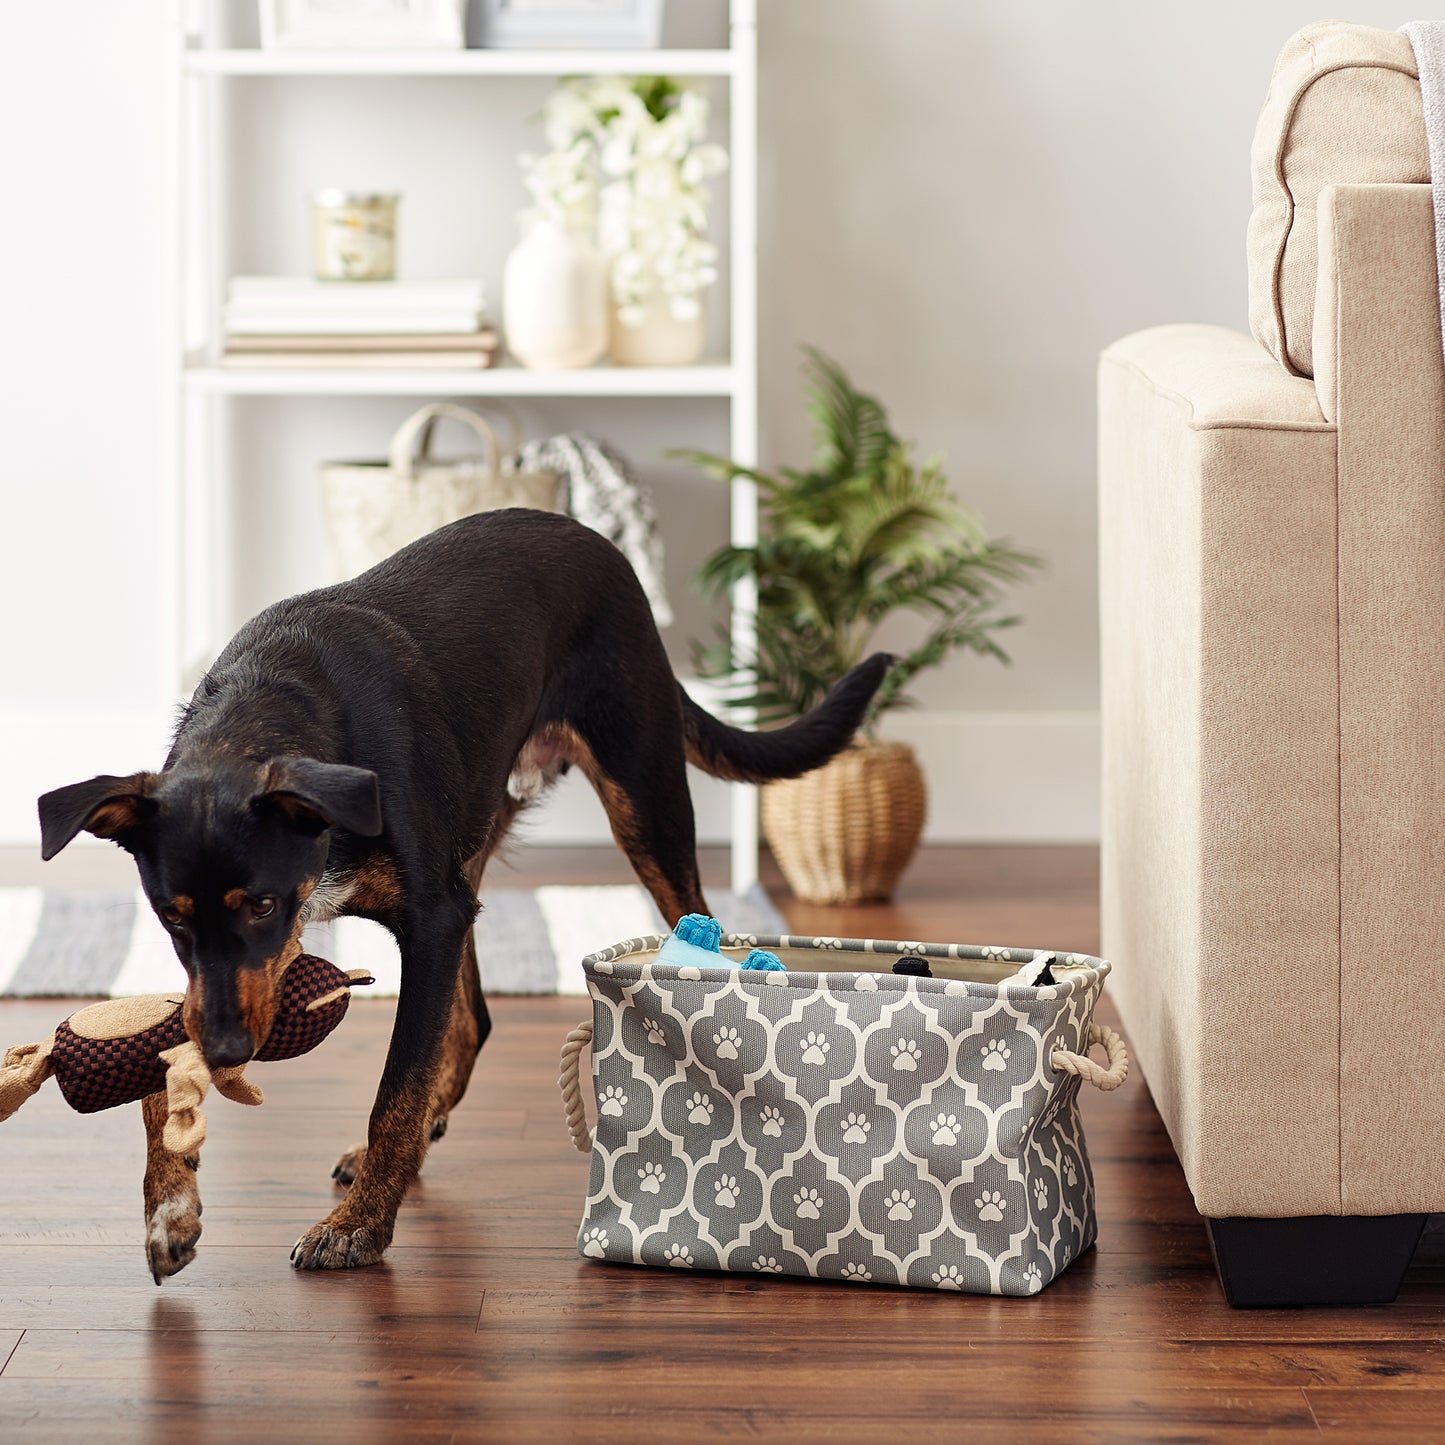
<point>694,943</point>
<point>820,1113</point>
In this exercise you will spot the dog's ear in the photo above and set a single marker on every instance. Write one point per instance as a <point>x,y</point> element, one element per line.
<point>314,796</point>
<point>107,806</point>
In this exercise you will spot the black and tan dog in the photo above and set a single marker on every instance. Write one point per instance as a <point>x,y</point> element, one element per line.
<point>363,750</point>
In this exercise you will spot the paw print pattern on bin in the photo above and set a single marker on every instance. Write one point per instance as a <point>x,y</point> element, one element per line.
<point>900,1204</point>
<point>911,1132</point>
<point>945,1128</point>
<point>990,1205</point>
<point>816,1048</point>
<point>905,1055</point>
<point>809,1204</point>
<point>727,1041</point>
<point>996,1055</point>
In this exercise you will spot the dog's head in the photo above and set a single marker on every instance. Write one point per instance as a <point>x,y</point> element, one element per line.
<point>228,854</point>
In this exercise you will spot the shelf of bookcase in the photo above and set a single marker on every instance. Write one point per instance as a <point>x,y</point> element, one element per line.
<point>615,381</point>
<point>201,577</point>
<point>459,62</point>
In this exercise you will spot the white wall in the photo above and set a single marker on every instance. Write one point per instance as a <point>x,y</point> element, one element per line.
<point>961,202</point>
<point>83,407</point>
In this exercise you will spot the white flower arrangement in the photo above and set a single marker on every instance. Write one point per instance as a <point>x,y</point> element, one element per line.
<point>631,154</point>
<point>562,186</point>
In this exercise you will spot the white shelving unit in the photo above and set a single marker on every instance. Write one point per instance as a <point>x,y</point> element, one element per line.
<point>502,380</point>
<point>466,62</point>
<point>203,564</point>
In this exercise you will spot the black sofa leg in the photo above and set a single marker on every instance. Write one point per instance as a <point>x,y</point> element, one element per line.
<point>1325,1259</point>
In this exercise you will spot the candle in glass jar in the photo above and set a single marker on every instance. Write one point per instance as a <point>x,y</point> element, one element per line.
<point>354,235</point>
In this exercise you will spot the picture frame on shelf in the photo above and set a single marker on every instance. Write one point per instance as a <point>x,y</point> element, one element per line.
<point>362,24</point>
<point>572,24</point>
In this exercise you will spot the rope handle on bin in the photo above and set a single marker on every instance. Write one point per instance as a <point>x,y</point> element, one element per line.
<point>577,1040</point>
<point>1086,1069</point>
<point>568,1081</point>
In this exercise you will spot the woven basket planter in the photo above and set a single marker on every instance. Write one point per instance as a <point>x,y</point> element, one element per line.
<point>846,832</point>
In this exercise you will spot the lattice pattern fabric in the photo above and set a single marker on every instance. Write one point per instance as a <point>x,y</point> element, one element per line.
<point>842,1123</point>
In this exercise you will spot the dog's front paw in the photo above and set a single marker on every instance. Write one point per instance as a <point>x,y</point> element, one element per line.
<point>173,1228</point>
<point>349,1166</point>
<point>337,1244</point>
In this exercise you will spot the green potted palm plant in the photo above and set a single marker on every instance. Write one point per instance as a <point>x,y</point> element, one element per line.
<point>864,532</point>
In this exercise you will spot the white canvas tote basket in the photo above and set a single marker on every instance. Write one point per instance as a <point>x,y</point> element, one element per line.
<point>839,1120</point>
<point>373,509</point>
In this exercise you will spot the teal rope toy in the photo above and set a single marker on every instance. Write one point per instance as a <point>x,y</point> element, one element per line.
<point>697,939</point>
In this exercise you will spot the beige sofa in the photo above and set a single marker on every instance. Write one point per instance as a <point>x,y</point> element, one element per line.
<point>1272,520</point>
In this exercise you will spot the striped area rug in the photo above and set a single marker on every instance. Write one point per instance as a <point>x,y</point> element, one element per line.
<point>528,940</point>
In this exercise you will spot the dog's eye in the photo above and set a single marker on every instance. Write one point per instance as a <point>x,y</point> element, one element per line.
<point>171,915</point>
<point>263,907</point>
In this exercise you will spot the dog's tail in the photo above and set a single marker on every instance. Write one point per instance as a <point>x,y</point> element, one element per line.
<point>808,743</point>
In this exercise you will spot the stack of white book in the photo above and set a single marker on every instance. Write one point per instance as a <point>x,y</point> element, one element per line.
<point>290,321</point>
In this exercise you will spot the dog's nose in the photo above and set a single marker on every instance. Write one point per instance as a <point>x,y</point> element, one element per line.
<point>225,1051</point>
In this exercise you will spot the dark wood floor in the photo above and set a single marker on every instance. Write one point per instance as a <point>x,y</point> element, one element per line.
<point>483,1323</point>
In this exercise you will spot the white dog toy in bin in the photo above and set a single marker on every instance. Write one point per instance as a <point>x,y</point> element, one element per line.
<point>838,1119</point>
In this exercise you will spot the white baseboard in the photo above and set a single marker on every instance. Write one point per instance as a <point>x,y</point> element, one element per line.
<point>1028,777</point>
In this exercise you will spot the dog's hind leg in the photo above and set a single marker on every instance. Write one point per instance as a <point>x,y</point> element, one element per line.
<point>640,774</point>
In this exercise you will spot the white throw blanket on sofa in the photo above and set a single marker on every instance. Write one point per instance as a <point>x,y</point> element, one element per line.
<point>1428,39</point>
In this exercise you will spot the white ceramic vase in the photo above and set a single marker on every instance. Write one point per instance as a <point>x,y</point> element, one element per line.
<point>659,340</point>
<point>554,298</point>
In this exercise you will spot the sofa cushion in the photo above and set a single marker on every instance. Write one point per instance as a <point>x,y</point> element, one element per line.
<point>1343,108</point>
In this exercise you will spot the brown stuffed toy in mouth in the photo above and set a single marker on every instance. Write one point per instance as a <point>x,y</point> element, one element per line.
<point>125,1049</point>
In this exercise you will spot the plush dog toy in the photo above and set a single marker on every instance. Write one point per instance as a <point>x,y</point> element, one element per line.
<point>128,1048</point>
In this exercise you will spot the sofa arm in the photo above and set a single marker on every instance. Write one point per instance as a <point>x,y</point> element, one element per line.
<point>1220,811</point>
<point>1218,378</point>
